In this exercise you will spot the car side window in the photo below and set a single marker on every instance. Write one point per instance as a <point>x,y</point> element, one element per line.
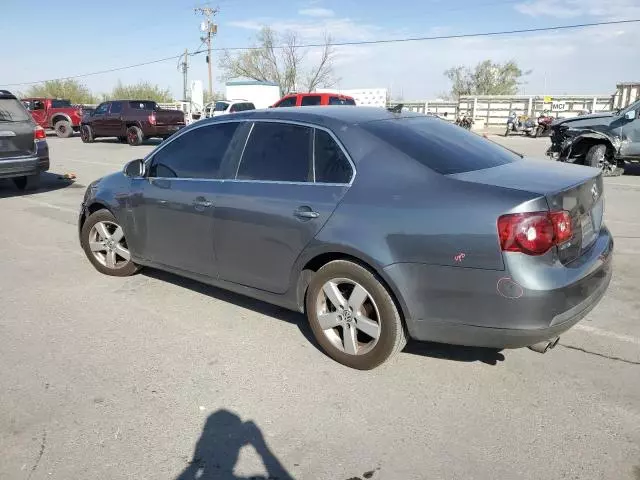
<point>116,107</point>
<point>38,105</point>
<point>287,102</point>
<point>102,108</point>
<point>277,152</point>
<point>311,100</point>
<point>330,163</point>
<point>198,153</point>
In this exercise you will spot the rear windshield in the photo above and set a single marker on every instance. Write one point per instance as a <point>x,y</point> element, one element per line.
<point>220,106</point>
<point>440,145</point>
<point>60,103</point>
<point>144,105</point>
<point>341,101</point>
<point>11,110</point>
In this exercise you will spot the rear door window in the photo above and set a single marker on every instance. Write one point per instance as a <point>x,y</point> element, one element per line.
<point>330,163</point>
<point>308,100</point>
<point>143,105</point>
<point>441,146</point>
<point>60,103</point>
<point>198,153</point>
<point>277,152</point>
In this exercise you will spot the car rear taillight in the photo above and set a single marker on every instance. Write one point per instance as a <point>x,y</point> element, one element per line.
<point>534,233</point>
<point>39,133</point>
<point>152,118</point>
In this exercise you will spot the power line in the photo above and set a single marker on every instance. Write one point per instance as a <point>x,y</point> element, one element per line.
<point>340,44</point>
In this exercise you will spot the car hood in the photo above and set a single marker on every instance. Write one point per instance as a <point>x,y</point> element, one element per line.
<point>585,121</point>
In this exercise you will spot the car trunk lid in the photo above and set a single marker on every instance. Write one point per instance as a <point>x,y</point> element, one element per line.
<point>573,188</point>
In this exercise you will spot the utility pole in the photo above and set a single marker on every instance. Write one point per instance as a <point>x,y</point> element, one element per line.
<point>184,67</point>
<point>209,29</point>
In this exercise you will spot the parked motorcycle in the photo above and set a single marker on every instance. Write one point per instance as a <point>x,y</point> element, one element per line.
<point>523,125</point>
<point>464,122</point>
<point>544,125</point>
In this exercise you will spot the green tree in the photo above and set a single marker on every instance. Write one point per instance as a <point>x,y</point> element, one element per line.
<point>140,91</point>
<point>65,89</point>
<point>487,78</point>
<point>280,59</point>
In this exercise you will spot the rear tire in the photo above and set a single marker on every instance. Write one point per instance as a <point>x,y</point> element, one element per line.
<point>104,244</point>
<point>63,129</point>
<point>27,183</point>
<point>134,136</point>
<point>372,328</point>
<point>86,134</point>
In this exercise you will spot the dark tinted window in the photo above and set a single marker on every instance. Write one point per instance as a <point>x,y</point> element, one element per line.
<point>116,107</point>
<point>310,100</point>
<point>220,106</point>
<point>341,101</point>
<point>11,110</point>
<point>331,164</point>
<point>439,145</point>
<point>60,103</point>
<point>102,108</point>
<point>287,102</point>
<point>144,105</point>
<point>277,152</point>
<point>195,154</point>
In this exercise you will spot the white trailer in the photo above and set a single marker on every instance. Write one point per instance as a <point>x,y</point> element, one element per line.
<point>261,94</point>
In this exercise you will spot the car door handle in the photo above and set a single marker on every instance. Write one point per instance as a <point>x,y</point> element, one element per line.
<point>305,212</point>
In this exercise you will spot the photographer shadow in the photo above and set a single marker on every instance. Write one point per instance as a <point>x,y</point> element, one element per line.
<point>218,448</point>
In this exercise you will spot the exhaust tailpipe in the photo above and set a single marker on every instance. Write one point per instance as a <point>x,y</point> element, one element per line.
<point>544,347</point>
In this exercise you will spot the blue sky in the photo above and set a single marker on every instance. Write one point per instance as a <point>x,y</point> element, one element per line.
<point>79,37</point>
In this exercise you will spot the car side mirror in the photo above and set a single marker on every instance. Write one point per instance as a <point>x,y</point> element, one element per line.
<point>134,168</point>
<point>630,115</point>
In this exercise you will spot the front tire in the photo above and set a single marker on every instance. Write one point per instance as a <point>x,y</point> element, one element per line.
<point>597,157</point>
<point>353,316</point>
<point>134,136</point>
<point>86,134</point>
<point>105,245</point>
<point>63,129</point>
<point>122,139</point>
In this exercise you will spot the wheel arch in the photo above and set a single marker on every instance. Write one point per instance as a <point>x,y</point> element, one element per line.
<point>317,260</point>
<point>582,143</point>
<point>60,117</point>
<point>91,208</point>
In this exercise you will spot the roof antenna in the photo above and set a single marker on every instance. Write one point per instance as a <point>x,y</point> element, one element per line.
<point>396,108</point>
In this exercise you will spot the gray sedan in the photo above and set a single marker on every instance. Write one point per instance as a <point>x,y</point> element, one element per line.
<point>379,226</point>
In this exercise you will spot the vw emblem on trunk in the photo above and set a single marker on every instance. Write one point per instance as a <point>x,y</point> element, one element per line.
<point>594,191</point>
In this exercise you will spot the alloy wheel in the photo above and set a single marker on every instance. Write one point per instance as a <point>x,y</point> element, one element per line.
<point>108,245</point>
<point>348,316</point>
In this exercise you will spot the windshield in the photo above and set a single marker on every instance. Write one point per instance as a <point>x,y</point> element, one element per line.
<point>220,106</point>
<point>634,106</point>
<point>11,110</point>
<point>60,103</point>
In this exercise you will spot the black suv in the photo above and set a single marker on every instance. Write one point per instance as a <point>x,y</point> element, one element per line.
<point>24,152</point>
<point>603,140</point>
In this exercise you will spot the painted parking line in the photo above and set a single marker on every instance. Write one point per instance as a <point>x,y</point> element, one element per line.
<point>51,205</point>
<point>606,333</point>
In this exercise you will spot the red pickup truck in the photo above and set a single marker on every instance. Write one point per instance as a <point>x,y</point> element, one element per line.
<point>54,113</point>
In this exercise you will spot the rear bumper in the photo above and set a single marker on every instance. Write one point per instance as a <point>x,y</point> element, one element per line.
<point>24,166</point>
<point>488,308</point>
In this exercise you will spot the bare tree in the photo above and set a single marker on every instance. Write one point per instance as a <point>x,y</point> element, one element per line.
<point>279,58</point>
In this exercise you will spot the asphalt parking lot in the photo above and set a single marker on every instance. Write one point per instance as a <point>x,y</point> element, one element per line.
<point>156,377</point>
